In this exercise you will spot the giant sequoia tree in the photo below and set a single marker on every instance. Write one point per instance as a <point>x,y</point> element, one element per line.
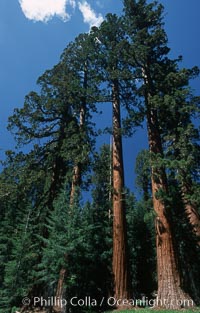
<point>148,55</point>
<point>116,76</point>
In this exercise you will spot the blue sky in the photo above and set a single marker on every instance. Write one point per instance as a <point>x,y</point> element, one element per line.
<point>32,38</point>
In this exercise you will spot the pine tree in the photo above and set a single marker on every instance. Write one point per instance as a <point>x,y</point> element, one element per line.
<point>21,249</point>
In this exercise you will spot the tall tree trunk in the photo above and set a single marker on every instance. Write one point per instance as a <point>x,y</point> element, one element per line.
<point>170,292</point>
<point>120,254</point>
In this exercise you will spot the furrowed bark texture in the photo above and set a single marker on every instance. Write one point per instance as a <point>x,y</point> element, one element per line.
<point>120,254</point>
<point>191,211</point>
<point>170,292</point>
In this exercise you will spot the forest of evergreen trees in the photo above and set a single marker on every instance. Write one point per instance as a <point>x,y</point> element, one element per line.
<point>55,243</point>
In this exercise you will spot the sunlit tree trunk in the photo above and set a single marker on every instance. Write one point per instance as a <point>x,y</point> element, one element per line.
<point>120,254</point>
<point>170,292</point>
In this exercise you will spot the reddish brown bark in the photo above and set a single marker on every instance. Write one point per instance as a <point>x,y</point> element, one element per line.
<point>120,255</point>
<point>193,217</point>
<point>60,292</point>
<point>76,180</point>
<point>191,211</point>
<point>170,292</point>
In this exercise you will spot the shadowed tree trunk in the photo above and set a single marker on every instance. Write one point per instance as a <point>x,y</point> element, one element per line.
<point>120,254</point>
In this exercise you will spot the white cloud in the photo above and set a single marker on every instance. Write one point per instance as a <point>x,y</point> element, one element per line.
<point>89,15</point>
<point>44,10</point>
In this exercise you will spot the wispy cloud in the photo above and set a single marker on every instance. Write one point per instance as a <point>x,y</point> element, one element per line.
<point>44,10</point>
<point>89,15</point>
